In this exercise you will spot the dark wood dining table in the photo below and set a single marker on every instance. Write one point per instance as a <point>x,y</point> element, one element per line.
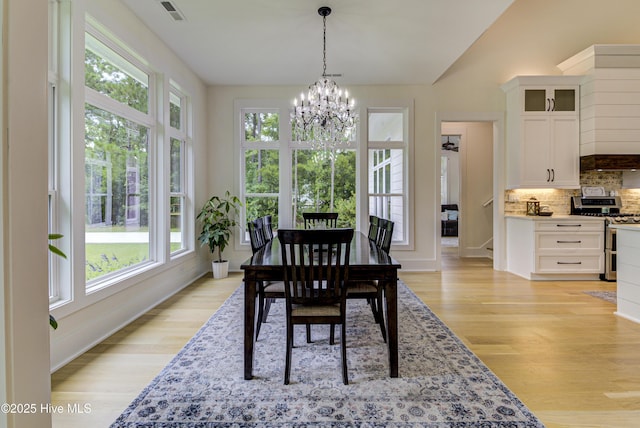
<point>367,262</point>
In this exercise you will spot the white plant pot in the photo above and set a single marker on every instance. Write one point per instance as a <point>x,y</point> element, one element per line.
<point>220,269</point>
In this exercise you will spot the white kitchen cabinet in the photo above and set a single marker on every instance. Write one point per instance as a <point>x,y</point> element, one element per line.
<point>543,132</point>
<point>566,247</point>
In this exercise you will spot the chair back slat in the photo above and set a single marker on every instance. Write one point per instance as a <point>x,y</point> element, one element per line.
<point>267,228</point>
<point>320,220</point>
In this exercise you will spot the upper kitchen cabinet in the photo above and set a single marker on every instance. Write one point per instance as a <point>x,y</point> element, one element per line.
<point>543,132</point>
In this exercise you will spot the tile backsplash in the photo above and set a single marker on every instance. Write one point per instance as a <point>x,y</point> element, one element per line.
<point>558,200</point>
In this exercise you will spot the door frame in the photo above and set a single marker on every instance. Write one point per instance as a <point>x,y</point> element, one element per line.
<point>497,119</point>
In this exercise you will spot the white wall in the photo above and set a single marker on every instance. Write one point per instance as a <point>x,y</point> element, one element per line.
<point>225,169</point>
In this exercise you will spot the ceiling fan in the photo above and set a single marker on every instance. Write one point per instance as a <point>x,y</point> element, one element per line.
<point>449,146</point>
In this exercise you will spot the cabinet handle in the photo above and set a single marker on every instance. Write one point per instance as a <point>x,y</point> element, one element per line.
<point>569,242</point>
<point>548,175</point>
<point>553,174</point>
<point>553,100</point>
<point>548,104</point>
<point>568,225</point>
<point>569,263</point>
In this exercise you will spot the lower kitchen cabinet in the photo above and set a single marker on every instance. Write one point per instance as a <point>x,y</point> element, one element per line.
<point>558,248</point>
<point>628,271</point>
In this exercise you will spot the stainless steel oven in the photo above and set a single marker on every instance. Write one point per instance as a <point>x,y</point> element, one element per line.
<point>607,207</point>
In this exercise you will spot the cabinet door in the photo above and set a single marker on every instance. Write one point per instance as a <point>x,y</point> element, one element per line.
<point>564,100</point>
<point>536,171</point>
<point>565,152</point>
<point>536,100</point>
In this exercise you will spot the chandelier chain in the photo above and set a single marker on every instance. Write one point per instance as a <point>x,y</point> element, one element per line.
<point>324,46</point>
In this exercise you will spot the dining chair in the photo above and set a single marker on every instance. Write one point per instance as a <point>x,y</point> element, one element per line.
<point>268,291</point>
<point>256,234</point>
<point>316,269</point>
<point>385,234</point>
<point>320,220</point>
<point>380,233</point>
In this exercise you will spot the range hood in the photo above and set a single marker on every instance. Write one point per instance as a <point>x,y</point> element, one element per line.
<point>610,163</point>
<point>609,106</point>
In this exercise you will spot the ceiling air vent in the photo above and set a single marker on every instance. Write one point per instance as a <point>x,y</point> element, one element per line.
<point>173,11</point>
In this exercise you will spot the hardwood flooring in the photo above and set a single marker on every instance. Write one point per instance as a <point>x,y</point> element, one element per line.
<point>562,352</point>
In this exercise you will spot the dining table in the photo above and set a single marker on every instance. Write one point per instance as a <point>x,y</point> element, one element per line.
<point>366,262</point>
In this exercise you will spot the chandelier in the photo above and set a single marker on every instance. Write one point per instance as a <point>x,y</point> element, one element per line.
<point>325,117</point>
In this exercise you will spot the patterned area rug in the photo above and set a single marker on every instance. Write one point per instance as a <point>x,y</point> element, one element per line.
<point>609,296</point>
<point>442,383</point>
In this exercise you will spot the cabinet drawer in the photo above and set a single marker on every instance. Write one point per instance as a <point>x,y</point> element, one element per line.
<point>569,226</point>
<point>570,241</point>
<point>570,264</point>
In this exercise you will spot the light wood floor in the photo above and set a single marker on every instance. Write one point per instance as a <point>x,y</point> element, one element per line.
<point>562,352</point>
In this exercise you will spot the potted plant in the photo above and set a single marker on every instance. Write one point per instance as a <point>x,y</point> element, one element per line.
<point>218,219</point>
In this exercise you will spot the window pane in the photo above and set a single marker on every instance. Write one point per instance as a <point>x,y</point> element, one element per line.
<point>262,171</point>
<point>386,171</point>
<point>177,222</point>
<point>175,156</point>
<point>324,181</point>
<point>117,193</point>
<point>260,206</point>
<point>175,111</point>
<point>386,126</point>
<point>261,127</point>
<point>391,208</point>
<point>111,75</point>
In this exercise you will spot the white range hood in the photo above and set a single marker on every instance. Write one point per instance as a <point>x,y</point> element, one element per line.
<point>609,104</point>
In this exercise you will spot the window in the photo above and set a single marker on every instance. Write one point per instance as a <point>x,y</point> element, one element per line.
<point>285,178</point>
<point>54,285</point>
<point>324,181</point>
<point>118,135</point>
<point>387,159</point>
<point>178,208</point>
<point>444,186</point>
<point>261,156</point>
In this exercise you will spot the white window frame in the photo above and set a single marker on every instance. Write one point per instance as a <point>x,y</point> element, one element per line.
<point>286,145</point>
<point>108,104</point>
<point>405,241</point>
<point>183,135</point>
<point>284,168</point>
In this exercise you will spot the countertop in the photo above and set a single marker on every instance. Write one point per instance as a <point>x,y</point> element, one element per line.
<point>554,217</point>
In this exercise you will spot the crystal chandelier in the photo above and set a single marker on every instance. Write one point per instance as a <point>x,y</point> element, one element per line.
<point>325,117</point>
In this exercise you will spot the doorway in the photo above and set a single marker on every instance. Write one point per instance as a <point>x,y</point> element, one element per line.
<point>466,194</point>
<point>449,193</point>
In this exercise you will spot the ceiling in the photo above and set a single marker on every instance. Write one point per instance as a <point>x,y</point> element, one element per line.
<point>279,42</point>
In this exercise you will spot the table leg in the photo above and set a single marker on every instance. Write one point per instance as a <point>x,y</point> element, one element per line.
<point>391,300</point>
<point>249,325</point>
